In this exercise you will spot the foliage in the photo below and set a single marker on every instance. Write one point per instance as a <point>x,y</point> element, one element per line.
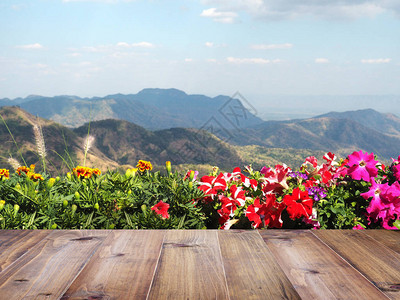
<point>357,192</point>
<point>113,200</point>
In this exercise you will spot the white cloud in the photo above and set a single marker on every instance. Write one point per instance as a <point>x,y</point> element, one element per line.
<point>376,61</point>
<point>74,54</point>
<point>209,44</point>
<point>321,60</point>
<point>31,46</point>
<point>291,9</point>
<point>123,45</point>
<point>188,59</point>
<point>236,60</point>
<point>143,45</point>
<point>219,16</point>
<point>272,46</point>
<point>211,60</point>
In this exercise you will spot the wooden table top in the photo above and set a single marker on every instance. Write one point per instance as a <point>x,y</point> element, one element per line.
<point>199,264</point>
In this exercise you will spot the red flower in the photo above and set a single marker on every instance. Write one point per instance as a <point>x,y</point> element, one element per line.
<point>238,195</point>
<point>275,179</point>
<point>298,204</point>
<point>273,217</point>
<point>247,182</point>
<point>255,211</point>
<point>210,185</point>
<point>161,208</point>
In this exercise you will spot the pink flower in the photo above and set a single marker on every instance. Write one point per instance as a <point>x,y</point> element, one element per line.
<point>385,203</point>
<point>396,171</point>
<point>391,201</point>
<point>376,204</point>
<point>362,166</point>
<point>161,208</point>
<point>358,227</point>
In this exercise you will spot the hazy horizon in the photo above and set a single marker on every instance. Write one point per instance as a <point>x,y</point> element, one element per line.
<point>212,47</point>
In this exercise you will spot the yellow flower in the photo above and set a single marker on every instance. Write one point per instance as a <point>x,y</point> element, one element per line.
<point>144,165</point>
<point>131,172</point>
<point>4,173</point>
<point>34,176</point>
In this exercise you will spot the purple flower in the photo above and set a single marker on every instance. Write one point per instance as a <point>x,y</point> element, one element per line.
<point>316,192</point>
<point>298,174</point>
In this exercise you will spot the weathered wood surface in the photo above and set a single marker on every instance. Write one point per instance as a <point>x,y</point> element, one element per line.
<point>315,270</point>
<point>252,271</point>
<point>374,260</point>
<point>199,264</point>
<point>190,267</point>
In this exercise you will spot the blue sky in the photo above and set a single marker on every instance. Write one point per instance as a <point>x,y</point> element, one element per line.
<point>211,47</point>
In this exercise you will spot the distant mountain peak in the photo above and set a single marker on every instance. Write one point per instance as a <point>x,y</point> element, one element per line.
<point>157,91</point>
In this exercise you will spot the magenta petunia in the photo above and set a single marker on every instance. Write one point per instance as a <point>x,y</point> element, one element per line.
<point>362,166</point>
<point>375,193</point>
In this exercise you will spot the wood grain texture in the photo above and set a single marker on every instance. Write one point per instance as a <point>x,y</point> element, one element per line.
<point>16,243</point>
<point>251,270</point>
<point>389,238</point>
<point>122,268</point>
<point>376,262</point>
<point>190,267</point>
<point>50,266</point>
<point>315,270</point>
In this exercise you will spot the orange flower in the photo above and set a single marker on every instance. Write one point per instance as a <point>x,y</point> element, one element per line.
<point>4,173</point>
<point>35,176</point>
<point>30,172</point>
<point>85,172</point>
<point>22,169</point>
<point>144,165</point>
<point>96,171</point>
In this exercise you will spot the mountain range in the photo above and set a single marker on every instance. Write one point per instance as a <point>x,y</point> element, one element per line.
<point>150,108</point>
<point>341,133</point>
<point>160,125</point>
<point>119,144</point>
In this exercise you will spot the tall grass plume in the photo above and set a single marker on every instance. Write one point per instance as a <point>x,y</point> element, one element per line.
<point>88,144</point>
<point>40,145</point>
<point>14,163</point>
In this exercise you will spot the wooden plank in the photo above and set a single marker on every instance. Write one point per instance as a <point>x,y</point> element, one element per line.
<point>122,268</point>
<point>389,238</point>
<point>16,243</point>
<point>251,270</point>
<point>190,267</point>
<point>316,271</point>
<point>378,263</point>
<point>50,266</point>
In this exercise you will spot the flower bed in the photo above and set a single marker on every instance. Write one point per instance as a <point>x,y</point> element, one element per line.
<point>357,192</point>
